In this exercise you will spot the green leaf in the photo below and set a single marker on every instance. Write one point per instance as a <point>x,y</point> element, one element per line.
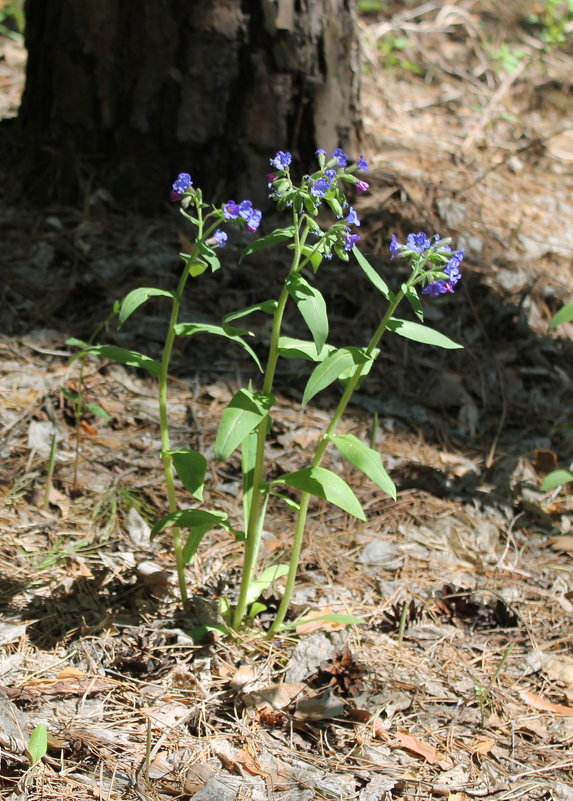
<point>324,484</point>
<point>267,306</point>
<point>37,744</point>
<point>555,479</point>
<point>280,235</point>
<point>74,342</point>
<point>96,409</point>
<point>372,275</point>
<point>208,255</point>
<point>191,467</point>
<point>267,577</point>
<point>286,500</point>
<point>331,617</point>
<point>244,413</point>
<point>190,329</point>
<point>191,518</point>
<point>135,298</point>
<point>314,256</point>
<point>365,459</point>
<point>564,315</point>
<point>413,299</point>
<point>333,367</point>
<point>311,305</point>
<point>421,333</point>
<point>197,268</point>
<point>292,348</point>
<point>128,357</point>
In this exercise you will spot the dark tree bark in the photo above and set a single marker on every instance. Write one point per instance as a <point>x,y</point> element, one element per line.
<point>126,94</point>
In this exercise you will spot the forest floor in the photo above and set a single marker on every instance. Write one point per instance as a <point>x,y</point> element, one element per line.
<point>459,682</point>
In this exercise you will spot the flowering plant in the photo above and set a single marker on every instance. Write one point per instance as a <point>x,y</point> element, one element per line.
<point>245,423</point>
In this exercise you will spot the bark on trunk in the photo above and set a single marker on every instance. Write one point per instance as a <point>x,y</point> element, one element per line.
<point>127,94</point>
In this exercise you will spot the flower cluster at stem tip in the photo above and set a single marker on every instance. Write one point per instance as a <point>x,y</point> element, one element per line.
<point>321,186</point>
<point>443,266</point>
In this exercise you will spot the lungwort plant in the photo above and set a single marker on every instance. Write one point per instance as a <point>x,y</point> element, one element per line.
<point>245,423</point>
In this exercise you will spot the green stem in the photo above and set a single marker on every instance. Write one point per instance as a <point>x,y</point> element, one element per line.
<point>319,453</point>
<point>255,523</point>
<point>163,415</point>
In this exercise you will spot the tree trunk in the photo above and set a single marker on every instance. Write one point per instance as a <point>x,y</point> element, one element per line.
<point>125,94</point>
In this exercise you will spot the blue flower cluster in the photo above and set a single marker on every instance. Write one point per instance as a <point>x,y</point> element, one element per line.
<point>180,186</point>
<point>444,266</point>
<point>246,211</point>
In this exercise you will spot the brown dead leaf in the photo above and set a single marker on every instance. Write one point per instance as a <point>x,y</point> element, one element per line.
<point>482,745</point>
<point>247,762</point>
<point>417,746</point>
<point>363,716</point>
<point>562,543</point>
<point>277,696</point>
<point>242,676</point>
<point>326,706</point>
<point>560,669</point>
<point>537,702</point>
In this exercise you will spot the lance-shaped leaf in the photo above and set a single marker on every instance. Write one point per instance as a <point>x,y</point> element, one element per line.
<point>334,366</point>
<point>311,305</point>
<point>190,329</point>
<point>128,357</point>
<point>365,459</point>
<point>208,255</point>
<point>564,315</point>
<point>421,333</point>
<point>292,348</point>
<point>244,413</point>
<point>372,275</point>
<point>198,521</point>
<point>274,238</point>
<point>324,484</point>
<point>37,744</point>
<point>264,581</point>
<point>267,306</point>
<point>411,295</point>
<point>191,467</point>
<point>136,297</point>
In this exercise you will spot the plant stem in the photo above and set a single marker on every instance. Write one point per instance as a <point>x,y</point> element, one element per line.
<point>319,453</point>
<point>255,523</point>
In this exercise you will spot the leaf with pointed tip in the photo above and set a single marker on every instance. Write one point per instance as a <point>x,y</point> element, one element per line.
<point>324,484</point>
<point>190,329</point>
<point>244,413</point>
<point>267,306</point>
<point>365,459</point>
<point>198,521</point>
<point>334,366</point>
<point>372,275</point>
<point>411,295</point>
<point>191,467</point>
<point>264,581</point>
<point>564,315</point>
<point>421,333</point>
<point>128,357</point>
<point>135,298</point>
<point>292,348</point>
<point>37,747</point>
<point>274,238</point>
<point>311,305</point>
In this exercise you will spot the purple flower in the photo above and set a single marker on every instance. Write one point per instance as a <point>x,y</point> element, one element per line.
<point>281,160</point>
<point>362,186</point>
<point>350,240</point>
<point>418,242</point>
<point>271,177</point>
<point>340,156</point>
<point>395,247</point>
<point>180,186</point>
<point>320,187</point>
<point>320,152</point>
<point>436,288</point>
<point>218,239</point>
<point>245,208</point>
<point>352,218</point>
<point>253,218</point>
<point>231,210</point>
<point>362,164</point>
<point>330,174</point>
